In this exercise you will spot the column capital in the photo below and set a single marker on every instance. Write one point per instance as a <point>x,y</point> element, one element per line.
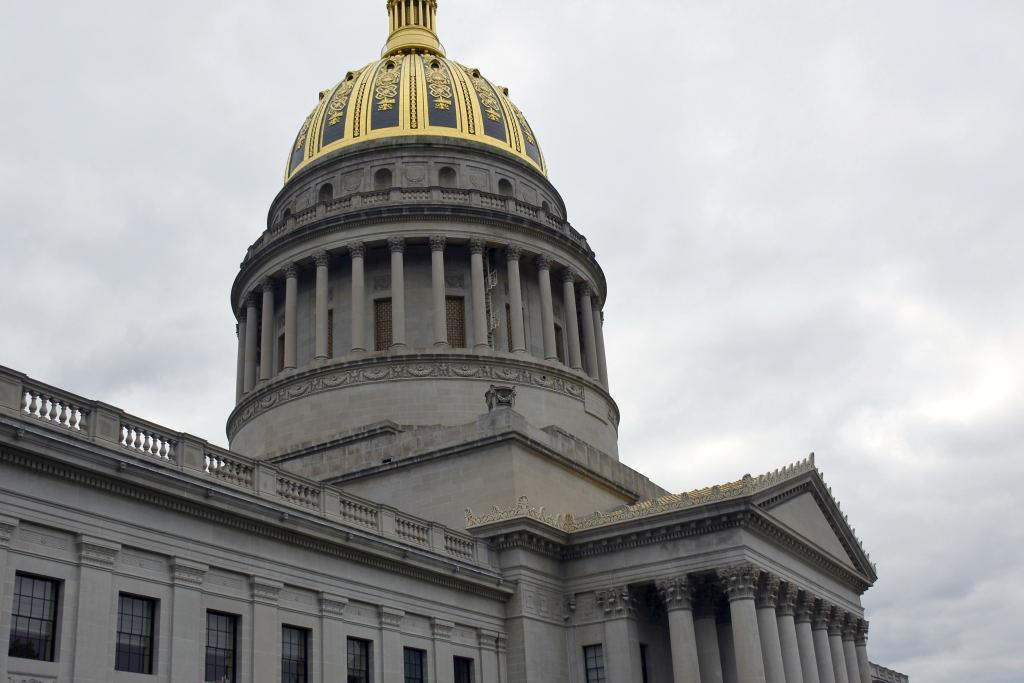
<point>488,640</point>
<point>97,553</point>
<point>477,246</point>
<point>265,591</point>
<point>437,242</point>
<point>357,249</point>
<point>321,259</point>
<point>617,602</point>
<point>441,629</point>
<point>676,593</point>
<point>768,591</point>
<point>391,619</point>
<point>267,284</point>
<point>786,606</point>
<point>740,581</point>
<point>291,270</point>
<point>862,633</point>
<point>187,573</point>
<point>851,625</point>
<point>332,606</point>
<point>804,612</point>
<point>512,252</point>
<point>822,615</point>
<point>595,305</point>
<point>396,244</point>
<point>542,262</point>
<point>837,620</point>
<point>252,299</point>
<point>587,290</point>
<point>7,527</point>
<point>569,275</point>
<point>243,312</point>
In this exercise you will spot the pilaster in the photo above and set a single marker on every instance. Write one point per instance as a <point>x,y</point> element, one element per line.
<point>187,625</point>
<point>622,642</point>
<point>489,672</point>
<point>266,630</point>
<point>332,636</point>
<point>94,628</point>
<point>393,668</point>
<point>441,630</point>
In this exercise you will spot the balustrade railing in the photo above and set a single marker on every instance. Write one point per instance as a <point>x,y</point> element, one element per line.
<point>413,530</point>
<point>56,408</point>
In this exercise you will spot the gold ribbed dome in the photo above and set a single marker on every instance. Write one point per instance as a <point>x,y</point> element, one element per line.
<point>413,91</point>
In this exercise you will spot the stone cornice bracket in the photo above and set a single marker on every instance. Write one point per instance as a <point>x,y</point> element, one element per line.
<point>291,270</point>
<point>396,243</point>
<point>97,553</point>
<point>357,250</point>
<point>768,591</point>
<point>786,605</point>
<point>437,242</point>
<point>441,629</point>
<point>676,593</point>
<point>617,602</point>
<point>265,591</point>
<point>804,611</point>
<point>569,275</point>
<point>488,640</point>
<point>391,619</point>
<point>321,259</point>
<point>267,284</point>
<point>332,606</point>
<point>740,581</point>
<point>862,633</point>
<point>7,527</point>
<point>542,262</point>
<point>513,252</point>
<point>188,574</point>
<point>477,246</point>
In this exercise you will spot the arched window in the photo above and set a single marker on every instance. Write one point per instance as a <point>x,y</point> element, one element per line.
<point>446,177</point>
<point>545,207</point>
<point>326,192</point>
<point>286,216</point>
<point>504,188</point>
<point>382,179</point>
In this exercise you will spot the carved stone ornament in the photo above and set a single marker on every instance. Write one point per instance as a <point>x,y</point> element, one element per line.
<point>851,624</point>
<point>333,606</point>
<point>321,259</point>
<point>804,612</point>
<point>676,593</point>
<point>740,581</point>
<point>391,618</point>
<point>786,606</point>
<point>97,553</point>
<point>513,252</point>
<point>437,242</point>
<point>521,509</point>
<point>768,591</point>
<point>291,271</point>
<point>7,528</point>
<point>441,630</point>
<point>586,290</point>
<point>185,573</point>
<point>617,602</point>
<point>569,275</point>
<point>267,285</point>
<point>543,262</point>
<point>477,246</point>
<point>488,639</point>
<point>837,622</point>
<point>265,591</point>
<point>396,244</point>
<point>500,397</point>
<point>862,633</point>
<point>357,250</point>
<point>252,300</point>
<point>822,615</point>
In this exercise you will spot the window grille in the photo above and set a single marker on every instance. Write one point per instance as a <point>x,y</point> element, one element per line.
<point>135,634</point>
<point>294,655</point>
<point>34,618</point>
<point>455,314</point>
<point>593,656</point>
<point>382,335</point>
<point>359,657</point>
<point>463,670</point>
<point>221,639</point>
<point>415,665</point>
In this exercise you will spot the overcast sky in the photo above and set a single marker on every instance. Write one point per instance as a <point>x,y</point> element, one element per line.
<point>809,214</point>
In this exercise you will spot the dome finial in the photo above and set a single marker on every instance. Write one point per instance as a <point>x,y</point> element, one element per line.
<point>413,26</point>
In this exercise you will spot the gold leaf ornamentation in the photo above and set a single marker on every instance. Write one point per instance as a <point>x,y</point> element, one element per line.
<point>488,101</point>
<point>438,83</point>
<point>336,107</point>
<point>386,88</point>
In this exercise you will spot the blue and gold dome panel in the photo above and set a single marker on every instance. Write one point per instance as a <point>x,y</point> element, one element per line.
<point>410,94</point>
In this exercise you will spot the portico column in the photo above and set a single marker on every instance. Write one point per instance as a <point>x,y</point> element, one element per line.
<point>291,323</point>
<point>861,646</point>
<point>805,638</point>
<point>705,629</point>
<point>267,338</point>
<point>822,651</point>
<point>476,268</point>
<point>622,659</point>
<point>240,376</point>
<point>94,628</point>
<point>437,243</point>
<point>850,650</point>
<point>571,321</point>
<point>515,299</point>
<point>602,360</point>
<point>397,246</point>
<point>589,336</point>
<point>322,261</point>
<point>547,307</point>
<point>740,584</point>
<point>251,325</point>
<point>835,644</point>
<point>677,595</point>
<point>787,633</point>
<point>357,250</point>
<point>768,629</point>
<point>186,620</point>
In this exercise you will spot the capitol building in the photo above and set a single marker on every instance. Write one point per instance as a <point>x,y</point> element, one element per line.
<point>424,480</point>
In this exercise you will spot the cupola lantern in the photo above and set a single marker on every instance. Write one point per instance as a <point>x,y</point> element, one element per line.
<point>413,26</point>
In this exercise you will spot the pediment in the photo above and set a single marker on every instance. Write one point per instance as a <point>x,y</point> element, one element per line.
<point>803,514</point>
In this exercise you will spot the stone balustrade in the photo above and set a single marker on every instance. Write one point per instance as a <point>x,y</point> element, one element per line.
<point>28,406</point>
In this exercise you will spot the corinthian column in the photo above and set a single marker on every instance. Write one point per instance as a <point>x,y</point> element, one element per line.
<point>437,243</point>
<point>787,634</point>
<point>622,661</point>
<point>397,247</point>
<point>291,324</point>
<point>357,250</point>
<point>251,325</point>
<point>589,336</point>
<point>240,377</point>
<point>569,299</point>
<point>706,630</point>
<point>476,269</point>
<point>602,359</point>
<point>861,645</point>
<point>835,644</point>
<point>740,585</point>
<point>677,595</point>
<point>547,307</point>
<point>515,299</point>
<point>849,649</point>
<point>822,649</point>
<point>267,338</point>
<point>322,261</point>
<point>805,637</point>
<point>768,629</point>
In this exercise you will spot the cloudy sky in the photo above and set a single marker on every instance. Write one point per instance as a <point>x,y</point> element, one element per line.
<point>809,214</point>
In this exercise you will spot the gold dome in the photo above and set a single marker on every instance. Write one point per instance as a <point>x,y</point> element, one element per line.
<point>414,90</point>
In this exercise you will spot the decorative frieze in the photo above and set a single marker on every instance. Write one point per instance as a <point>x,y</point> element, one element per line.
<point>739,581</point>
<point>617,602</point>
<point>188,574</point>
<point>676,593</point>
<point>97,553</point>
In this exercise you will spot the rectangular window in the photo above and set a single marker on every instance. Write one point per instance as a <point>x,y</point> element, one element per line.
<point>135,619</point>
<point>415,665</point>
<point>593,657</point>
<point>330,333</point>
<point>221,639</point>
<point>455,314</point>
<point>382,337</point>
<point>463,670</point>
<point>34,618</point>
<point>559,344</point>
<point>294,654</point>
<point>360,653</point>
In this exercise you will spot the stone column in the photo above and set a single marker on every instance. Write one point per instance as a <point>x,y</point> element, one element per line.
<point>444,671</point>
<point>397,247</point>
<point>768,629</point>
<point>861,646</point>
<point>267,337</point>
<point>835,644</point>
<point>571,320</point>
<point>322,261</point>
<point>240,377</point>
<point>437,243</point>
<point>740,584</point>
<point>393,665</point>
<point>705,629</point>
<point>727,648</point>
<point>822,650</point>
<point>589,336</point>
<point>515,299</point>
<point>358,252</point>
<point>188,626</point>
<point>291,321</point>
<point>266,631</point>
<point>850,649</point>
<point>805,638</point>
<point>547,306</point>
<point>94,628</point>
<point>488,656</point>
<point>602,359</point>
<point>622,658</point>
<point>251,327</point>
<point>332,637</point>
<point>476,267</point>
<point>677,595</point>
<point>787,633</point>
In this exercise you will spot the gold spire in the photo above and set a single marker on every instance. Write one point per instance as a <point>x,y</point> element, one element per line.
<point>413,26</point>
